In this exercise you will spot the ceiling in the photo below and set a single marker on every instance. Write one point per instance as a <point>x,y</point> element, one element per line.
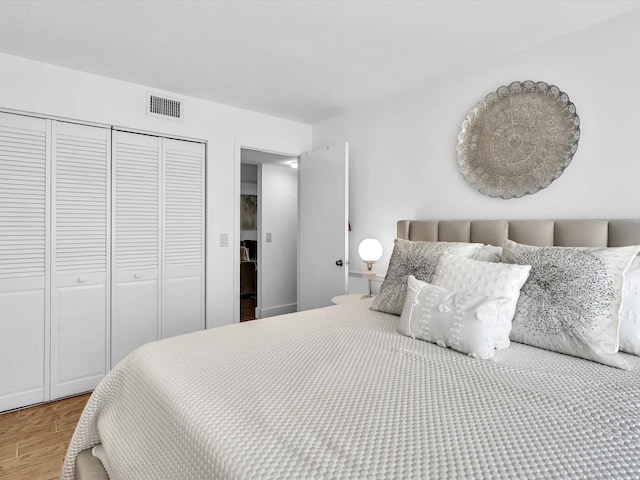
<point>302,60</point>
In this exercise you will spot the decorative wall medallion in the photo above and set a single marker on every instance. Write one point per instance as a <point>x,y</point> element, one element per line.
<point>518,139</point>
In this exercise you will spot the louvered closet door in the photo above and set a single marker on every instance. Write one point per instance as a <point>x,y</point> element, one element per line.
<point>23,260</point>
<point>183,259</point>
<point>80,257</point>
<point>135,242</point>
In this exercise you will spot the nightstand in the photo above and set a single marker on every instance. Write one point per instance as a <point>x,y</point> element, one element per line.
<point>350,298</point>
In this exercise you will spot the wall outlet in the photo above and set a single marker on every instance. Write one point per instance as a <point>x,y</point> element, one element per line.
<point>224,239</point>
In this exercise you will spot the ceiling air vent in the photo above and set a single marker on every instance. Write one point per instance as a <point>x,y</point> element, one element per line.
<point>164,107</point>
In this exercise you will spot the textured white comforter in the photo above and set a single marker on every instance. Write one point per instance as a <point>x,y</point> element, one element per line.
<point>337,393</point>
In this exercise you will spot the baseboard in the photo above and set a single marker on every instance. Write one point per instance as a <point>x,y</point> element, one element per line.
<point>273,311</point>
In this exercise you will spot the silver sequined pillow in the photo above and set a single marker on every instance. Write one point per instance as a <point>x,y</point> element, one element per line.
<point>418,259</point>
<point>571,301</point>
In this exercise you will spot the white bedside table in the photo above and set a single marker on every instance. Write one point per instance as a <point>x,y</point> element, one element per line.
<point>350,298</point>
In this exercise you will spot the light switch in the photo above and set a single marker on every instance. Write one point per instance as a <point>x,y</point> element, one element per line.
<point>224,239</point>
<point>268,236</point>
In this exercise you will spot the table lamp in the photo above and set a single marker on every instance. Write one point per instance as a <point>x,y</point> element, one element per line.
<point>370,251</point>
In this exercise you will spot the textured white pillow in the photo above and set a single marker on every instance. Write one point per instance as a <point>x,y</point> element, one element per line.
<point>572,300</point>
<point>474,277</point>
<point>450,319</point>
<point>413,258</point>
<point>630,313</point>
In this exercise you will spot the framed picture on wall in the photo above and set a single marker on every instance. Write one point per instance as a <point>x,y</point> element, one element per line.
<point>248,212</point>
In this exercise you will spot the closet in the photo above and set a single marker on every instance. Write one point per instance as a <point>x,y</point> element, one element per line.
<point>158,240</point>
<point>101,250</point>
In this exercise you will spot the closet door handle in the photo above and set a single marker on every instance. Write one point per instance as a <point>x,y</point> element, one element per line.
<point>81,280</point>
<point>137,275</point>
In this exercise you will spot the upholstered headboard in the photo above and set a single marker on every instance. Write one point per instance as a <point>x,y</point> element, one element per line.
<point>564,233</point>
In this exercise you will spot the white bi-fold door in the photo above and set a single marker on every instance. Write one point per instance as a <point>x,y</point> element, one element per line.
<point>135,242</point>
<point>24,232</point>
<point>80,203</point>
<point>183,238</point>
<point>157,238</point>
<point>54,258</point>
<point>100,251</point>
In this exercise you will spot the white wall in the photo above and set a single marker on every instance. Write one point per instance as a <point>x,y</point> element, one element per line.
<point>45,89</point>
<point>403,151</point>
<point>277,260</point>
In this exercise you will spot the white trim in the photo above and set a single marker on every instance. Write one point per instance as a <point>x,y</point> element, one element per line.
<point>48,266</point>
<point>273,311</point>
<point>47,116</point>
<point>153,133</point>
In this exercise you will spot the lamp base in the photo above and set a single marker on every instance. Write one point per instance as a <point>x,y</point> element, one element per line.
<point>369,275</point>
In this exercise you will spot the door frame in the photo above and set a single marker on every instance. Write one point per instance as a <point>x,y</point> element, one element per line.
<point>234,241</point>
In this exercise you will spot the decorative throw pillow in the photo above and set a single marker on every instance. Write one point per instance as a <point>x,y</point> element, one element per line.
<point>630,313</point>
<point>485,278</point>
<point>413,258</point>
<point>571,301</point>
<point>465,323</point>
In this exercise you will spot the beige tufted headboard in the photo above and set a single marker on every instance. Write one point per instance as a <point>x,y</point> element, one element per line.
<point>564,233</point>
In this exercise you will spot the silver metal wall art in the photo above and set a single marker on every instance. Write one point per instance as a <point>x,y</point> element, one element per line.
<point>518,139</point>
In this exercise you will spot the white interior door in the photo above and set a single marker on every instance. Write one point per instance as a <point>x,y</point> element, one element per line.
<point>80,257</point>
<point>323,224</point>
<point>135,302</point>
<point>183,232</point>
<point>23,260</point>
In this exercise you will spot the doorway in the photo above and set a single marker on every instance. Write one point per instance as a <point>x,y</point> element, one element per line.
<point>268,234</point>
<point>248,241</point>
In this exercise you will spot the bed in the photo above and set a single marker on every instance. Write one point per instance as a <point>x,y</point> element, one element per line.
<point>337,392</point>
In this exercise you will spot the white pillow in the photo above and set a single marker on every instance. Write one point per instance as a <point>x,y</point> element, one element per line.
<point>489,253</point>
<point>630,313</point>
<point>450,319</point>
<point>474,277</point>
<point>572,300</point>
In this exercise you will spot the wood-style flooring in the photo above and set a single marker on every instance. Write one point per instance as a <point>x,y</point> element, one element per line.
<point>34,440</point>
<point>247,308</point>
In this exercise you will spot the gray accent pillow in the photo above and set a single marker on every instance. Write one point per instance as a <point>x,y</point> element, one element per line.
<point>418,259</point>
<point>571,301</point>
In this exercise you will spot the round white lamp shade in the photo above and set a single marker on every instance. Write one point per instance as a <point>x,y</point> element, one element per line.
<point>370,250</point>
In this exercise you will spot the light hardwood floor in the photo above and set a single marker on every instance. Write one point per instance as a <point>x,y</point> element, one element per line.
<point>34,440</point>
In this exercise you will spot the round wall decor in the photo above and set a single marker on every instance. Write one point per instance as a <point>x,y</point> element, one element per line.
<point>518,139</point>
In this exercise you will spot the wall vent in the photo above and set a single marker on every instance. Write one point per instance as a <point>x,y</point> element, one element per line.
<point>164,107</point>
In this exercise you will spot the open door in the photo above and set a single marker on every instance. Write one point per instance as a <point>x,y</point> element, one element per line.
<point>323,193</point>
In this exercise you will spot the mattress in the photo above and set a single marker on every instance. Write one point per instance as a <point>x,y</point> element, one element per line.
<point>337,393</point>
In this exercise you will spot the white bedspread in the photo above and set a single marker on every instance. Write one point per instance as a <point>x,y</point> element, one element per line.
<point>337,393</point>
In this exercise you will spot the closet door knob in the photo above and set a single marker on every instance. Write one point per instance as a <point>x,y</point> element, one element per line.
<point>81,280</point>
<point>137,275</point>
